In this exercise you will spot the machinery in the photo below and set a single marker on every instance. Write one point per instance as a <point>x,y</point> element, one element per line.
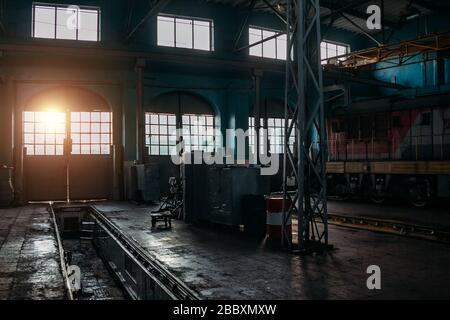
<point>215,193</point>
<point>142,182</point>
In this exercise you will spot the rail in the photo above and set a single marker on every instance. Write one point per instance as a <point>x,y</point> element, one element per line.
<point>391,227</point>
<point>62,258</point>
<point>176,287</point>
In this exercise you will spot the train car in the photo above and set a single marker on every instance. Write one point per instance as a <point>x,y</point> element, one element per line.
<point>398,153</point>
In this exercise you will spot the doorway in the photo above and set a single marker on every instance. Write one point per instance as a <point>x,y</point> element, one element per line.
<point>68,153</point>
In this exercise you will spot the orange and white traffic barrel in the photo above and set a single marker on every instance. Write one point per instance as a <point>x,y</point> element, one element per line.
<point>274,223</point>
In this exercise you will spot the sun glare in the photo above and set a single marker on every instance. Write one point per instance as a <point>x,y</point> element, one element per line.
<point>52,120</point>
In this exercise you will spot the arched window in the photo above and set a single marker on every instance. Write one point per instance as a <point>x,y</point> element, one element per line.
<point>272,119</point>
<point>179,110</point>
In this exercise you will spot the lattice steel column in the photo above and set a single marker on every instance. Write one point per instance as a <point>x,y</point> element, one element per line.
<point>304,90</point>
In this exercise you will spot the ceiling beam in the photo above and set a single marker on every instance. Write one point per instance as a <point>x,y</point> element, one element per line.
<point>275,11</point>
<point>157,7</point>
<point>368,35</point>
<point>244,24</point>
<point>431,5</point>
<point>353,12</point>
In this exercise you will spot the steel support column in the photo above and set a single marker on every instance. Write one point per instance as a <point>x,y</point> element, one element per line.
<point>304,90</point>
<point>140,132</point>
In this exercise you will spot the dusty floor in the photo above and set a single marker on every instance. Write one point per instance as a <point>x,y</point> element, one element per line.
<point>223,265</point>
<point>220,264</point>
<point>29,260</point>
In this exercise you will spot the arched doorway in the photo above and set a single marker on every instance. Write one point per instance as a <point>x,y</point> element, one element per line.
<point>171,111</point>
<point>67,139</point>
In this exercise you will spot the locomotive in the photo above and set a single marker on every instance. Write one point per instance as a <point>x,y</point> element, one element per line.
<point>394,153</point>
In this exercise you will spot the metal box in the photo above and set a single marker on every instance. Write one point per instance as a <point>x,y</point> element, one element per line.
<point>215,193</point>
<point>130,180</point>
<point>148,188</point>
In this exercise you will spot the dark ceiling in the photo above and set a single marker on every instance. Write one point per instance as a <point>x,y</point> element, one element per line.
<point>350,14</point>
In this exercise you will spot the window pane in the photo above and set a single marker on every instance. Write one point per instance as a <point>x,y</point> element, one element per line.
<point>172,120</point>
<point>154,150</point>
<point>29,139</point>
<point>341,50</point>
<point>255,35</point>
<point>85,149</point>
<point>39,150</point>
<point>43,131</point>
<point>106,138</point>
<point>59,150</point>
<point>76,127</point>
<point>75,116</point>
<point>95,149</point>
<point>106,116</point>
<point>85,128</point>
<point>28,116</point>
<point>66,25</point>
<point>76,149</point>
<point>269,49</point>
<point>331,50</point>
<point>166,31</point>
<point>44,22</point>
<point>202,35</point>
<point>50,150</point>
<point>95,116</point>
<point>323,52</point>
<point>95,127</point>
<point>28,127</point>
<point>76,138</point>
<point>106,128</point>
<point>281,47</point>
<point>30,150</point>
<point>105,149</point>
<point>88,25</point>
<point>95,138</point>
<point>183,33</point>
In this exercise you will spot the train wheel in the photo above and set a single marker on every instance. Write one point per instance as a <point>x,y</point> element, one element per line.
<point>377,198</point>
<point>341,193</point>
<point>417,196</point>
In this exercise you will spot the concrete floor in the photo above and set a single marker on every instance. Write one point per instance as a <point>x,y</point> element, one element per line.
<point>218,264</point>
<point>29,259</point>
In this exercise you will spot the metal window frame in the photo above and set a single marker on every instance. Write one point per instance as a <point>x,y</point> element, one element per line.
<point>198,135</point>
<point>45,144</point>
<point>56,6</point>
<point>250,45</point>
<point>282,127</point>
<point>341,44</point>
<point>193,20</point>
<point>100,144</point>
<point>159,145</point>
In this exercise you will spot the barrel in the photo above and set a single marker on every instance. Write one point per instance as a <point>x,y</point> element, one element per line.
<point>274,221</point>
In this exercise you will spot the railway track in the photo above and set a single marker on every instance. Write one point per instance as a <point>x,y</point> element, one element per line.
<point>173,287</point>
<point>390,227</point>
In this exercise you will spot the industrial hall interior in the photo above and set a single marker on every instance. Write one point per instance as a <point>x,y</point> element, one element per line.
<point>224,150</point>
